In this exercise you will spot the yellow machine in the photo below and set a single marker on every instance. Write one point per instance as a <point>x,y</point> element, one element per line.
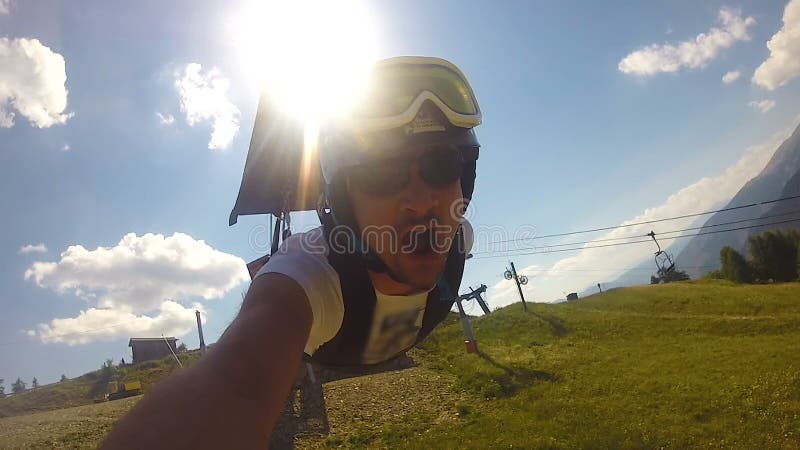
<point>118,389</point>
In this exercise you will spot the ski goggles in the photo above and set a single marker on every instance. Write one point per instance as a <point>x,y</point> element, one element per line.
<point>438,167</point>
<point>389,117</point>
<point>398,87</point>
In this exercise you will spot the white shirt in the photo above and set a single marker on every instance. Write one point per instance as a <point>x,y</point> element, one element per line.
<point>397,318</point>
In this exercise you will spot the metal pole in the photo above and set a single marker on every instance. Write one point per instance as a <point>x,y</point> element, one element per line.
<point>200,332</point>
<point>171,350</point>
<point>477,295</point>
<point>519,287</point>
<point>465,324</point>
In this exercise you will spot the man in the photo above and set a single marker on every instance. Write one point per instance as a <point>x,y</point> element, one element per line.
<point>376,278</point>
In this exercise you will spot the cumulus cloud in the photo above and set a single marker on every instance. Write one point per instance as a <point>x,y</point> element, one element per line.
<point>5,7</point>
<point>731,76</point>
<point>94,324</point>
<point>783,62</point>
<point>145,274</point>
<point>31,248</point>
<point>589,266</point>
<point>763,105</point>
<point>32,83</point>
<point>204,98</point>
<point>165,119</point>
<point>691,54</point>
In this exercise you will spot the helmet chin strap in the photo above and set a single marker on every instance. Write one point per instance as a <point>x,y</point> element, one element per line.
<point>374,264</point>
<point>371,260</point>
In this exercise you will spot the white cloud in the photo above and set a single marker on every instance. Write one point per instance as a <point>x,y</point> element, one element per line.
<point>731,76</point>
<point>204,98</point>
<point>31,248</point>
<point>5,7</point>
<point>589,266</point>
<point>139,275</point>
<point>66,148</point>
<point>165,119</point>
<point>763,105</point>
<point>93,324</point>
<point>691,54</point>
<point>783,62</point>
<point>32,82</point>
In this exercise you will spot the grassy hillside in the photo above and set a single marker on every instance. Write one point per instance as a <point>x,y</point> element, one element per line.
<point>84,389</point>
<point>699,364</point>
<point>687,364</point>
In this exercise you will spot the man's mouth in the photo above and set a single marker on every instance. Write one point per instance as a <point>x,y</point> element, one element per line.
<point>423,244</point>
<point>421,241</point>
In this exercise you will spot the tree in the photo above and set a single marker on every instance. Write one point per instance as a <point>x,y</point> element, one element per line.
<point>34,383</point>
<point>734,267</point>
<point>674,275</point>
<point>182,348</point>
<point>2,388</point>
<point>798,259</point>
<point>773,255</point>
<point>105,374</point>
<point>669,277</point>
<point>18,386</point>
<point>107,370</point>
<point>714,275</point>
<point>63,378</point>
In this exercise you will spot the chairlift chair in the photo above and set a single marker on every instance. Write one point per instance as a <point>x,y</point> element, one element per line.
<point>663,260</point>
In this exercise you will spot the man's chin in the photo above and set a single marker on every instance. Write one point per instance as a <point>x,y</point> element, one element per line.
<point>422,273</point>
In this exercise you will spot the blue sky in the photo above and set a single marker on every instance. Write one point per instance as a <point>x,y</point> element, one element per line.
<point>572,138</point>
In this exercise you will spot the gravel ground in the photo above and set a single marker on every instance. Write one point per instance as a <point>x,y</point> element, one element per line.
<point>350,405</point>
<point>376,401</point>
<point>78,427</point>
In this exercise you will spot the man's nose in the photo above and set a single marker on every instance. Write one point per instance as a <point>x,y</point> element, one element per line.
<point>417,197</point>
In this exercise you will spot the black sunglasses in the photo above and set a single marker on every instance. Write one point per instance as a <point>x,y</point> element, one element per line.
<point>438,168</point>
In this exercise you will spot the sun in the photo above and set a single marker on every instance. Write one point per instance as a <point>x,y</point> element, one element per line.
<point>312,57</point>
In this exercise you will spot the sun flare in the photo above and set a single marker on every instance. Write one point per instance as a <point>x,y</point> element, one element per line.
<point>310,56</point>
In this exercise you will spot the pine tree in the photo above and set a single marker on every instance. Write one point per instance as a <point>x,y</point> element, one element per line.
<point>2,388</point>
<point>18,386</point>
<point>34,383</point>
<point>63,378</point>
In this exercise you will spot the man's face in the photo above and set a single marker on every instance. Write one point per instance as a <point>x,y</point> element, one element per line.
<point>410,231</point>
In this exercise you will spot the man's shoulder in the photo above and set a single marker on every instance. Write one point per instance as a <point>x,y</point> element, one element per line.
<point>312,242</point>
<point>300,252</point>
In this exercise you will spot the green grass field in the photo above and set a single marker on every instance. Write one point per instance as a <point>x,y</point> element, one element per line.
<point>681,365</point>
<point>697,364</point>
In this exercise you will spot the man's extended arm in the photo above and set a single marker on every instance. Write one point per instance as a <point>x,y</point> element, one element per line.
<point>232,397</point>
